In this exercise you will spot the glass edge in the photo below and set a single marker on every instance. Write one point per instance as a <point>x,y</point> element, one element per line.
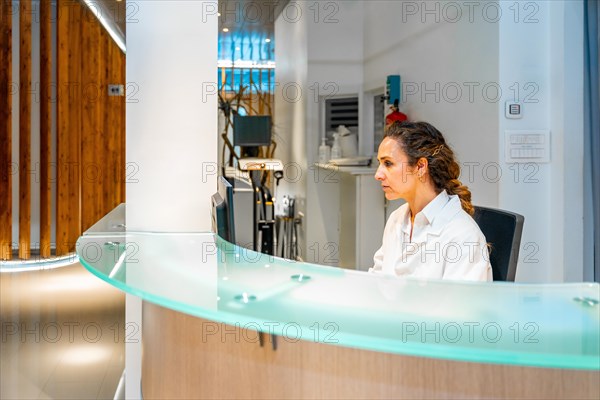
<point>489,356</point>
<point>462,354</point>
<point>326,268</point>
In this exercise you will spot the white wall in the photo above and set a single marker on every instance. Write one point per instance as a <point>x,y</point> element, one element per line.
<point>547,52</point>
<point>318,47</point>
<point>335,37</point>
<point>441,53</point>
<point>568,109</point>
<point>524,56</point>
<point>290,105</point>
<point>335,60</point>
<point>459,62</point>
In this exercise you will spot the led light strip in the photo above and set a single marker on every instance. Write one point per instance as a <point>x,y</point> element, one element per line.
<point>245,64</point>
<point>38,264</point>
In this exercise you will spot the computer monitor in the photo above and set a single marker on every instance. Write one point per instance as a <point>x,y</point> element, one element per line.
<point>251,130</point>
<point>222,210</point>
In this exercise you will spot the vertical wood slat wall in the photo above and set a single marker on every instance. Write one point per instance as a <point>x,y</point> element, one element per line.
<point>45,128</point>
<point>90,127</point>
<point>91,175</point>
<point>24,129</point>
<point>5,130</point>
<point>68,184</point>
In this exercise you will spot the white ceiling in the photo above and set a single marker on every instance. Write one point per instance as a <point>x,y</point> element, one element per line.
<point>250,16</point>
<point>239,16</point>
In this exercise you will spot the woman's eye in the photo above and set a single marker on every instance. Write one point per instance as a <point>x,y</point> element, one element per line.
<point>388,164</point>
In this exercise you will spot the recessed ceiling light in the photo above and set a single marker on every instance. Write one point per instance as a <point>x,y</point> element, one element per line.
<point>225,29</point>
<point>238,48</point>
<point>218,14</point>
<point>267,40</point>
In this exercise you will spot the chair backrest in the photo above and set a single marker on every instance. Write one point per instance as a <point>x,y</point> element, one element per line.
<point>502,229</point>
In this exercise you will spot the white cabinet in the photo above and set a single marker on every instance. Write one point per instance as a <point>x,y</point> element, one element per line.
<point>347,217</point>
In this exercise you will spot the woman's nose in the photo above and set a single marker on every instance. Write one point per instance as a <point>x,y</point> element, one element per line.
<point>378,174</point>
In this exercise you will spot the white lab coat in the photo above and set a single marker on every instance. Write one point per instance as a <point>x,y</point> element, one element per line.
<point>446,244</point>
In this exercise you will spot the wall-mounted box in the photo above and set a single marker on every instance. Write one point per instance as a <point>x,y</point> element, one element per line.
<point>393,89</point>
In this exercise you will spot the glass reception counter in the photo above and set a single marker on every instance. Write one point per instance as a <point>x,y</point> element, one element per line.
<point>239,298</point>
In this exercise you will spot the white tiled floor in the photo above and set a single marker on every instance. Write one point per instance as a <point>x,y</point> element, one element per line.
<point>62,335</point>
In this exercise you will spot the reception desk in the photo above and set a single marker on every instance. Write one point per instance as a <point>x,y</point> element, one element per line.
<point>221,321</point>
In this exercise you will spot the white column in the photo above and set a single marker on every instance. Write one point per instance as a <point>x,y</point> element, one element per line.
<point>541,53</point>
<point>171,127</point>
<point>524,51</point>
<point>171,116</point>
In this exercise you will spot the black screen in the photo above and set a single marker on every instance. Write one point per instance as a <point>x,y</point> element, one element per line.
<point>222,202</point>
<point>252,130</point>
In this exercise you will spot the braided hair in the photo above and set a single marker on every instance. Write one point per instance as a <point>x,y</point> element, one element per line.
<point>423,140</point>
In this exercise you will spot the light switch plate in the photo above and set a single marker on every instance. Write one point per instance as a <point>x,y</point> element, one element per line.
<point>513,110</point>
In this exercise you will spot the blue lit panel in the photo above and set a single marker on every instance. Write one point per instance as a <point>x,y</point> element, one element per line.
<point>246,47</point>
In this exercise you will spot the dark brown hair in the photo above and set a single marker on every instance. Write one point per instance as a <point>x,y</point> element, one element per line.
<point>423,140</point>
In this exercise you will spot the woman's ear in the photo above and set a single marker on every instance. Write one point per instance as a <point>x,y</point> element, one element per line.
<point>422,166</point>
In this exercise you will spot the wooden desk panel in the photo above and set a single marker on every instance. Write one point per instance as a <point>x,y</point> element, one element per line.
<point>188,357</point>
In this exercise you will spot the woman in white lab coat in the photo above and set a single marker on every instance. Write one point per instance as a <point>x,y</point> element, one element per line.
<point>433,235</point>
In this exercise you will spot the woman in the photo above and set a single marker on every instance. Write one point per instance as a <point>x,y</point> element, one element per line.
<point>433,235</point>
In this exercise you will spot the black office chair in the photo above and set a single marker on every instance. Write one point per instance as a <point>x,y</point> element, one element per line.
<point>502,229</point>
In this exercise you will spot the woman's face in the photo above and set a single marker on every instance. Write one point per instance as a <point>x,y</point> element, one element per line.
<point>398,179</point>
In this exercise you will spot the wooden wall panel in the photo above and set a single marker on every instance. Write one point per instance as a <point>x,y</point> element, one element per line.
<point>45,127</point>
<point>5,130</point>
<point>68,207</point>
<point>92,99</point>
<point>62,128</point>
<point>187,357</point>
<point>114,129</point>
<point>109,127</point>
<point>105,122</point>
<point>90,124</point>
<point>25,129</point>
<point>119,70</point>
<point>90,143</point>
<point>123,124</point>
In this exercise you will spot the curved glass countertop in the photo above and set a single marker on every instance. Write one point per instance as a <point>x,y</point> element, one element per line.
<point>543,325</point>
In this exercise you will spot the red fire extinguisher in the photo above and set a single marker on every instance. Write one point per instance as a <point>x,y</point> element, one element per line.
<point>395,115</point>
